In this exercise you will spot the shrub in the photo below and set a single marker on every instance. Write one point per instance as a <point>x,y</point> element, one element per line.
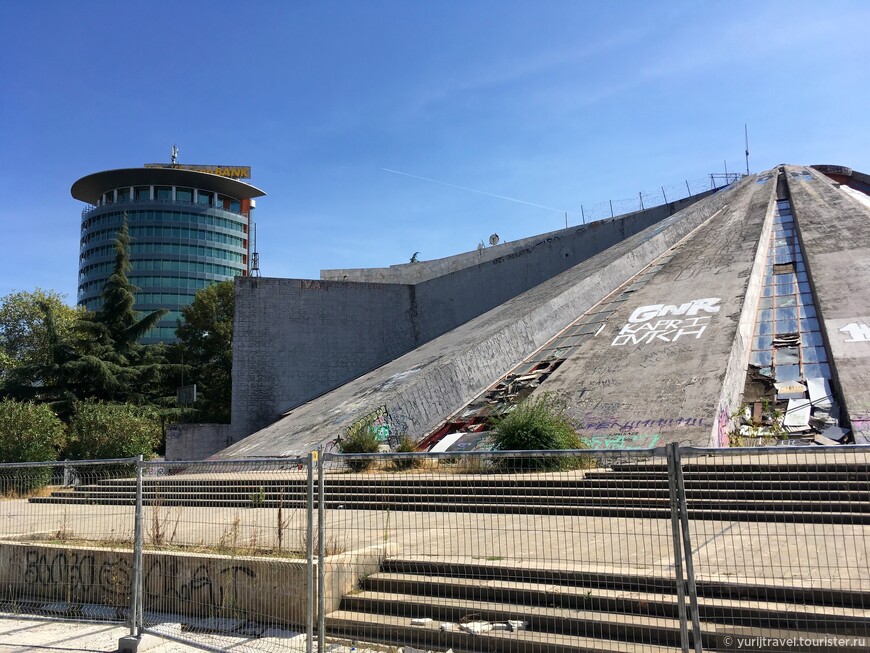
<point>406,445</point>
<point>29,432</point>
<point>537,424</point>
<point>360,440</point>
<point>99,431</point>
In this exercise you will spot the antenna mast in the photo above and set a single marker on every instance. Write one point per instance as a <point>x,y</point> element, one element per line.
<point>746,136</point>
<point>255,255</point>
<point>174,154</point>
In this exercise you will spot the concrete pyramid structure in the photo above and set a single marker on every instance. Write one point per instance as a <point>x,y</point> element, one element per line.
<point>737,317</point>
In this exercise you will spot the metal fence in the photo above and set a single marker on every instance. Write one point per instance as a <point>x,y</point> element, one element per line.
<point>634,550</point>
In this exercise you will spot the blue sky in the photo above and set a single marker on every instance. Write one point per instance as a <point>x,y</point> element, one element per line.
<point>556,104</point>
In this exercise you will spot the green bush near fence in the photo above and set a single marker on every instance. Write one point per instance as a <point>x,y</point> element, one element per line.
<point>362,439</point>
<point>538,424</point>
<point>29,432</point>
<point>98,430</point>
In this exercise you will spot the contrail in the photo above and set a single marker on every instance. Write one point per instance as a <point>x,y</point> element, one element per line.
<point>473,190</point>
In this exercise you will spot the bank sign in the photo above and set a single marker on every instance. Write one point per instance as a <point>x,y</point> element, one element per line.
<point>234,172</point>
<point>667,322</point>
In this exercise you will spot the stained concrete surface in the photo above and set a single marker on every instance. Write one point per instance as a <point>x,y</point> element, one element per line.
<point>835,236</point>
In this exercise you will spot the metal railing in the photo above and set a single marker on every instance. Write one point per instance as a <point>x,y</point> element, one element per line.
<point>608,550</point>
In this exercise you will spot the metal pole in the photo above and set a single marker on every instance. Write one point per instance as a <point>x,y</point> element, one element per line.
<point>321,572</point>
<point>309,552</point>
<point>664,195</point>
<point>640,195</point>
<point>678,555</point>
<point>611,208</point>
<point>582,214</point>
<point>687,187</point>
<point>566,219</point>
<point>687,545</point>
<point>136,606</point>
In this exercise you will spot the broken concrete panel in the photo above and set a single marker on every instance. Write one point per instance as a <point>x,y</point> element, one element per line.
<point>797,415</point>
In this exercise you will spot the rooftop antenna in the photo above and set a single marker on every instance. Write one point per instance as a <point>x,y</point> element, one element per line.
<point>493,240</point>
<point>255,255</point>
<point>174,154</point>
<point>746,136</point>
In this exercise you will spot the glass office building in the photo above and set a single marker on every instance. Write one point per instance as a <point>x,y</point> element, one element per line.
<point>188,229</point>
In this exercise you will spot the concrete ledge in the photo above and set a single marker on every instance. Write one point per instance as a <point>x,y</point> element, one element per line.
<point>272,590</point>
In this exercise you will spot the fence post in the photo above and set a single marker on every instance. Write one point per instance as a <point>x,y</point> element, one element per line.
<point>687,545</point>
<point>136,607</point>
<point>321,572</point>
<point>678,555</point>
<point>309,504</point>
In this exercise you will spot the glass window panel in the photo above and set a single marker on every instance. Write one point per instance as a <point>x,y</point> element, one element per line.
<point>817,369</point>
<point>767,291</point>
<point>813,338</point>
<point>787,372</point>
<point>814,355</point>
<point>761,358</point>
<point>809,324</point>
<point>807,311</point>
<point>806,300</point>
<point>205,198</point>
<point>786,326</point>
<point>786,300</point>
<point>184,194</point>
<point>786,288</point>
<point>788,313</point>
<point>143,193</point>
<point>765,315</point>
<point>804,287</point>
<point>801,276</point>
<point>762,342</point>
<point>163,192</point>
<point>123,194</point>
<point>787,356</point>
<point>765,302</point>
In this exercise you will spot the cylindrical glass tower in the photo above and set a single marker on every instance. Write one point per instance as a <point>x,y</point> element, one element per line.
<point>188,229</point>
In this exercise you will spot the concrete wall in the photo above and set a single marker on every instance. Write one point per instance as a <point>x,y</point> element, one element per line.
<point>267,590</point>
<point>196,441</point>
<point>295,339</point>
<point>422,387</point>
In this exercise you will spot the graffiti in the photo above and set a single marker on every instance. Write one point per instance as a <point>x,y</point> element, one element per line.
<point>386,427</point>
<point>857,332</point>
<point>164,578</point>
<point>611,424</point>
<point>623,441</point>
<point>641,329</point>
<point>723,423</point>
<point>78,573</point>
<point>646,313</point>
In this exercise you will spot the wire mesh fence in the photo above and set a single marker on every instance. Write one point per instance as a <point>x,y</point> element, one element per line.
<point>635,550</point>
<point>59,556</point>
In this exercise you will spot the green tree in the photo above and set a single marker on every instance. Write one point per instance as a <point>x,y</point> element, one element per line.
<point>205,342</point>
<point>99,357</point>
<point>538,424</point>
<point>99,430</point>
<point>25,340</point>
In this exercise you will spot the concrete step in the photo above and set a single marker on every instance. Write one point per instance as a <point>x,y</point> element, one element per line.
<point>509,495</point>
<point>847,621</point>
<point>730,589</point>
<point>397,631</point>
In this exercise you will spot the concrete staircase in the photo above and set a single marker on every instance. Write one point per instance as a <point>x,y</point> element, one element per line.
<point>815,493</point>
<point>579,610</point>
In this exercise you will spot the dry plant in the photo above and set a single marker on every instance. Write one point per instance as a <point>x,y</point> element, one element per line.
<point>331,547</point>
<point>159,533</point>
